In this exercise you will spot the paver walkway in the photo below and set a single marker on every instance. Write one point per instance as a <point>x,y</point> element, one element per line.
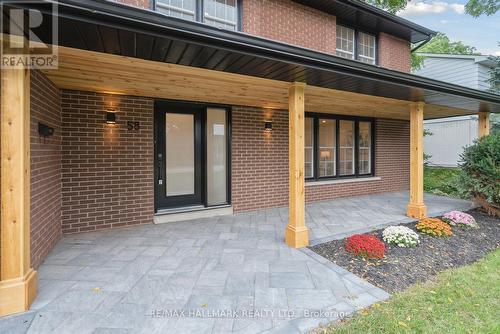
<point>341,217</point>
<point>230,274</point>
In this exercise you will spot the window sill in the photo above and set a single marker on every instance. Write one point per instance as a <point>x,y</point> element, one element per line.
<point>340,181</point>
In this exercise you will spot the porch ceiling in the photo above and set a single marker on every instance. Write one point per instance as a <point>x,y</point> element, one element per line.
<point>252,70</point>
<point>106,73</point>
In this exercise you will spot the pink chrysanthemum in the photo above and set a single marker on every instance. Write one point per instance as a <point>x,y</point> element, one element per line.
<point>459,218</point>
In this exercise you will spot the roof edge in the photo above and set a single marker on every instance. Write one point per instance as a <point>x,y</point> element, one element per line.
<point>370,9</point>
<point>146,21</point>
<point>397,19</point>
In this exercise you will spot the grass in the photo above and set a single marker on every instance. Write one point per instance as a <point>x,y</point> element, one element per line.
<point>462,300</point>
<point>441,181</point>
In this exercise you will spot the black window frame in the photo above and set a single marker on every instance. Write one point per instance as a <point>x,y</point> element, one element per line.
<point>316,118</point>
<point>356,41</point>
<point>199,12</point>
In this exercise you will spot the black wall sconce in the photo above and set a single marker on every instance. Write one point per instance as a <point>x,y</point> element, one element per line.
<point>44,130</point>
<point>110,116</point>
<point>268,126</point>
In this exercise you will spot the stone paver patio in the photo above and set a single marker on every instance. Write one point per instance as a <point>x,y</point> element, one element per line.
<point>341,217</point>
<point>141,279</point>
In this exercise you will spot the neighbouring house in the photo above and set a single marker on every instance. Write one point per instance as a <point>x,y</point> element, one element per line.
<point>165,110</point>
<point>451,135</point>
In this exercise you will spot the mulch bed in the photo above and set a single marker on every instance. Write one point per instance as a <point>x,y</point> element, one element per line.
<point>402,267</point>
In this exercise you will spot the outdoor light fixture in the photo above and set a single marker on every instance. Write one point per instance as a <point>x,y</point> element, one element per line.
<point>44,130</point>
<point>268,126</point>
<point>110,116</point>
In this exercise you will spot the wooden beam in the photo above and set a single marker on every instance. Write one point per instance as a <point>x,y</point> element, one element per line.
<point>18,281</point>
<point>416,207</point>
<point>107,73</point>
<point>296,234</point>
<point>483,124</point>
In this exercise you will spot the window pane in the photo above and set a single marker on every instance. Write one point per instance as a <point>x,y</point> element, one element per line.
<point>221,13</point>
<point>365,147</point>
<point>326,147</point>
<point>216,156</point>
<point>184,9</point>
<point>346,135</point>
<point>366,47</point>
<point>309,152</point>
<point>345,42</point>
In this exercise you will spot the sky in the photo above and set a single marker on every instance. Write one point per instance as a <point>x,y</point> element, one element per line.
<point>449,17</point>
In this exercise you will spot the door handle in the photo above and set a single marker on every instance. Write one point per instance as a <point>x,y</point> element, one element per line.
<point>160,169</point>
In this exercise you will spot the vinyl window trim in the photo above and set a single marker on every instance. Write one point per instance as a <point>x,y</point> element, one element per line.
<point>200,15</point>
<point>356,46</point>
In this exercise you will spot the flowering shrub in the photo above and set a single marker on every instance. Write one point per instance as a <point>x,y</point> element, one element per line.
<point>365,245</point>
<point>434,227</point>
<point>460,219</point>
<point>401,236</point>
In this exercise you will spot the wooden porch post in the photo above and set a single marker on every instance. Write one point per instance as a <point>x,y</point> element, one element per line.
<point>416,207</point>
<point>18,281</point>
<point>296,234</point>
<point>483,124</point>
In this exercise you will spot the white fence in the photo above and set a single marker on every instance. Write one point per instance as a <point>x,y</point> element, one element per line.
<point>449,137</point>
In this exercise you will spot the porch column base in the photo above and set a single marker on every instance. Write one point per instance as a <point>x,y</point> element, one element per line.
<point>417,211</point>
<point>297,237</point>
<point>16,295</point>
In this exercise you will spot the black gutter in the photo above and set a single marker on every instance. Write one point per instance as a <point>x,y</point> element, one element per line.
<point>329,6</point>
<point>148,22</point>
<point>380,12</point>
<point>421,44</point>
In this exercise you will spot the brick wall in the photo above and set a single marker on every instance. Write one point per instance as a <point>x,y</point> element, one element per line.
<point>296,24</point>
<point>394,53</point>
<point>45,168</point>
<point>107,171</point>
<point>260,161</point>
<point>289,22</point>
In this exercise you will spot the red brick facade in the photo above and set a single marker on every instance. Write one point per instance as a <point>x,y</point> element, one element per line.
<point>289,22</point>
<point>394,53</point>
<point>107,170</point>
<point>45,173</point>
<point>45,168</point>
<point>260,161</point>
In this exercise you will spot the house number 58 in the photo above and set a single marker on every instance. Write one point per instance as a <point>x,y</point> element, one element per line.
<point>133,126</point>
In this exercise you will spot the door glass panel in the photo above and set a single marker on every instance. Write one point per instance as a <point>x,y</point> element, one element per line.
<point>180,154</point>
<point>326,147</point>
<point>346,133</point>
<point>216,156</point>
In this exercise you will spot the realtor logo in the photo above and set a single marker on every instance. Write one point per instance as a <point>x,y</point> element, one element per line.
<point>29,36</point>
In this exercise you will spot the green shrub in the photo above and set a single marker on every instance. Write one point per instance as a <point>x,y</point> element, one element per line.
<point>480,175</point>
